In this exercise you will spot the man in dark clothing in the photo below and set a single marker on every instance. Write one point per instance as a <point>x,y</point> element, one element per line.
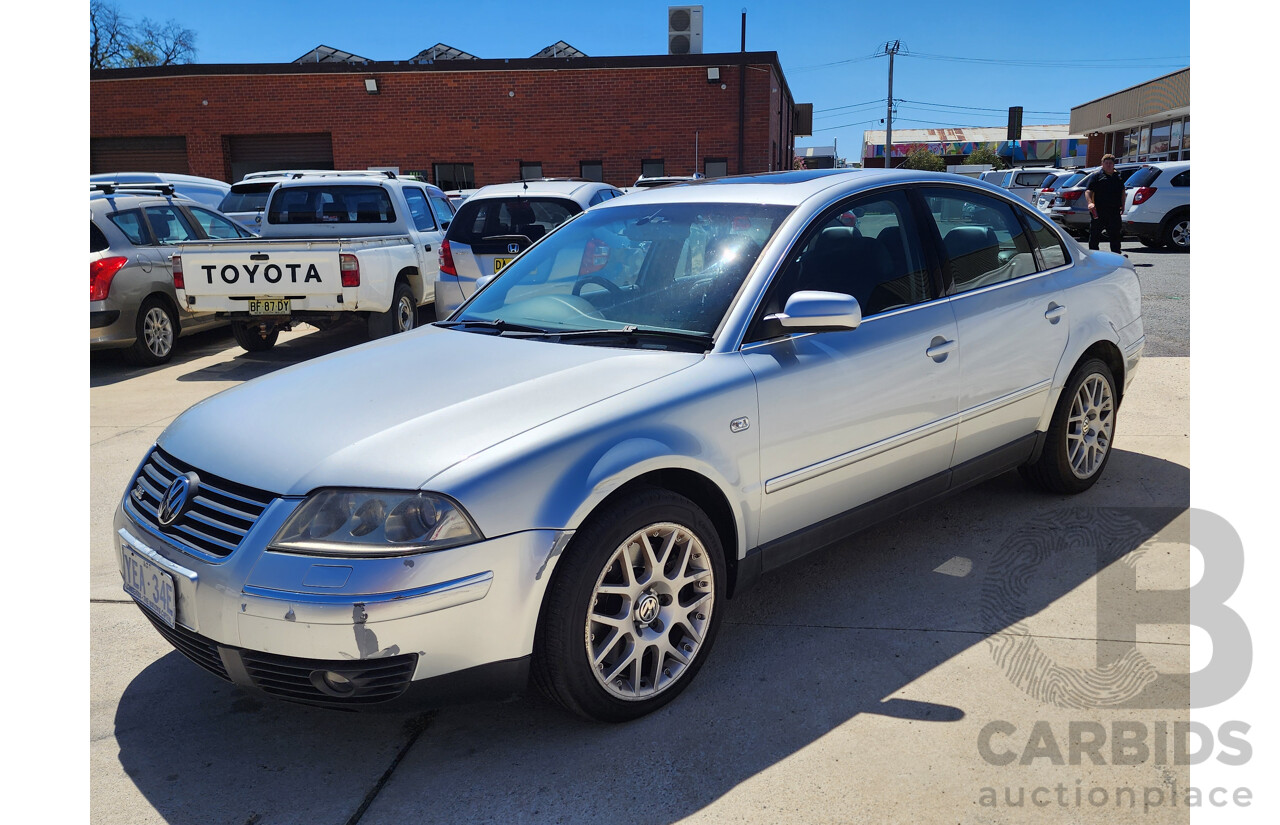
<point>1106,200</point>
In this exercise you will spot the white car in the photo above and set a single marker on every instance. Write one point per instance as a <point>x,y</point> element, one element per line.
<point>1157,205</point>
<point>563,483</point>
<point>498,222</point>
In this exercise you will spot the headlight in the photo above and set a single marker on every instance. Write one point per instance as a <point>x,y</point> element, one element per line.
<point>375,523</point>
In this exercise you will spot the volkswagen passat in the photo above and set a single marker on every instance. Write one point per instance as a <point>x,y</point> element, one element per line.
<point>656,403</point>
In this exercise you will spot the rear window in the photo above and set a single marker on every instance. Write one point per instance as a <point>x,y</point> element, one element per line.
<point>487,218</point>
<point>1143,177</point>
<point>246,197</point>
<point>97,241</point>
<point>1070,180</point>
<point>1125,174</point>
<point>331,204</point>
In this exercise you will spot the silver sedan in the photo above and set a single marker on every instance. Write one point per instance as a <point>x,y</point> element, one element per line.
<point>652,406</point>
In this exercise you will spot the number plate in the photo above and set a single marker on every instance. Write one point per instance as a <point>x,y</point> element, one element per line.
<point>499,263</point>
<point>270,306</point>
<point>146,582</point>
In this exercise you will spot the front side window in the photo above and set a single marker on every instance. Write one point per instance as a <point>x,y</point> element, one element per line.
<point>419,209</point>
<point>443,211</point>
<point>673,267</point>
<point>982,239</point>
<point>331,203</point>
<point>868,248</point>
<point>216,226</point>
<point>169,225</point>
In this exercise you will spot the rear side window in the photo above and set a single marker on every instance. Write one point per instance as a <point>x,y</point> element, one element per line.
<point>419,210</point>
<point>982,239</point>
<point>97,241</point>
<point>487,218</point>
<point>331,204</point>
<point>216,226</point>
<point>1181,179</point>
<point>1143,177</point>
<point>130,223</point>
<point>1052,252</point>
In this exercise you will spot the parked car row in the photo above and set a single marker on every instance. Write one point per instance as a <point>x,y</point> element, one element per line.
<point>658,401</point>
<point>1157,207</point>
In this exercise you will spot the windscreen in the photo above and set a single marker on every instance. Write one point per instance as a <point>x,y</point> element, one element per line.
<point>247,197</point>
<point>655,266</point>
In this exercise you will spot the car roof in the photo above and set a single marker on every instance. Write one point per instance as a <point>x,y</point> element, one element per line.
<point>538,187</point>
<point>789,188</point>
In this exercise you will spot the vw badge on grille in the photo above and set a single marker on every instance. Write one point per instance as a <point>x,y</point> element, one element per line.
<point>175,499</point>
<point>513,248</point>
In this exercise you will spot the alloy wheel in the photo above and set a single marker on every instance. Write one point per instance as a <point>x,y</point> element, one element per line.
<point>1090,426</point>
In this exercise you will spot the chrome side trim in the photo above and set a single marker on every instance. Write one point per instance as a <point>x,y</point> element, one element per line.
<point>431,598</point>
<point>825,466</point>
<point>1005,400</point>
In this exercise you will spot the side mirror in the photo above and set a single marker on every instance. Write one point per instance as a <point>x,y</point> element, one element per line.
<point>814,311</point>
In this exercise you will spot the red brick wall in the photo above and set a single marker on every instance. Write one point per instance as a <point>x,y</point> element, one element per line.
<point>559,117</point>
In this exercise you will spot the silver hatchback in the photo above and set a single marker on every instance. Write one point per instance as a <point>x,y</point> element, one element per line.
<point>665,398</point>
<point>132,303</point>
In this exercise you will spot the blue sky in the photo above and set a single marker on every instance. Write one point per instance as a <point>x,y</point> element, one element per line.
<point>959,59</point>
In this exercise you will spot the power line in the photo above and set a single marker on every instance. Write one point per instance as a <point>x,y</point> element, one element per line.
<point>877,101</point>
<point>1105,63</point>
<point>975,108</point>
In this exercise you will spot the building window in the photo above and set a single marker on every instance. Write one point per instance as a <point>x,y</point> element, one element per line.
<point>455,175</point>
<point>591,170</point>
<point>1186,139</point>
<point>530,169</point>
<point>652,168</point>
<point>715,167</point>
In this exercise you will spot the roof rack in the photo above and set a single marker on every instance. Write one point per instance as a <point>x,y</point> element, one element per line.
<point>355,173</point>
<point>111,187</point>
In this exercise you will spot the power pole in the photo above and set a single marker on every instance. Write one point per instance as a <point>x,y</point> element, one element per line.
<point>890,49</point>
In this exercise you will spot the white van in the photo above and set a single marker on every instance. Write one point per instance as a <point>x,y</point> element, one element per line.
<point>1026,182</point>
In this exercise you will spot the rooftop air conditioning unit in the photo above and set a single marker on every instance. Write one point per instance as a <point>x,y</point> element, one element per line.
<point>684,29</point>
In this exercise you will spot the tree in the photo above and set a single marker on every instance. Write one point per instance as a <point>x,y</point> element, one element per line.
<point>985,154</point>
<point>921,158</point>
<point>114,42</point>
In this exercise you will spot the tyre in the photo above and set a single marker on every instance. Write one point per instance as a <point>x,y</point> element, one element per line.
<point>1078,444</point>
<point>1177,232</point>
<point>401,317</point>
<point>251,339</point>
<point>633,608</point>
<point>1151,243</point>
<point>156,332</point>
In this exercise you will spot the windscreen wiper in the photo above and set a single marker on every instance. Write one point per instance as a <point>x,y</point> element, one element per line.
<point>496,324</point>
<point>632,331</point>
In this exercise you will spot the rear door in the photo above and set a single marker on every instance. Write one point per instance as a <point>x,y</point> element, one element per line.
<point>427,235</point>
<point>1010,315</point>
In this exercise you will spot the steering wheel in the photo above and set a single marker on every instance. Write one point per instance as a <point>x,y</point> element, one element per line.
<point>609,286</point>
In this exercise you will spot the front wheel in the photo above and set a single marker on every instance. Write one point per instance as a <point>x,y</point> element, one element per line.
<point>633,608</point>
<point>401,317</point>
<point>250,336</point>
<point>1078,444</point>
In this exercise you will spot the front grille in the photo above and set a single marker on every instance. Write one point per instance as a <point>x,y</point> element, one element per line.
<point>214,522</point>
<point>195,647</point>
<point>374,680</point>
<point>291,678</point>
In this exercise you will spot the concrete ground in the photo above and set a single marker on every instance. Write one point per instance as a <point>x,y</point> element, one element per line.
<point>890,678</point>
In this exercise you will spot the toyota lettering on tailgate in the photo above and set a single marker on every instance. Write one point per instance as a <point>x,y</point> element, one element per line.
<point>258,273</point>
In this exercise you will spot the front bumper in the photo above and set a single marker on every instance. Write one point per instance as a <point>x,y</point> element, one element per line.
<point>276,622</point>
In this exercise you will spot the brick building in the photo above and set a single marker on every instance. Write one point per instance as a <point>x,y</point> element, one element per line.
<point>462,123</point>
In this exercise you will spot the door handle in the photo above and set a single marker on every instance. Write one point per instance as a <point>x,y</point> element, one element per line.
<point>939,347</point>
<point>1055,312</point>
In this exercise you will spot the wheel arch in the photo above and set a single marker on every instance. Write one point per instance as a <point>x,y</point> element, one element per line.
<point>170,304</point>
<point>411,276</point>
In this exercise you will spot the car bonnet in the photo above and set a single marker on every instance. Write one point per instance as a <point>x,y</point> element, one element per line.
<point>395,412</point>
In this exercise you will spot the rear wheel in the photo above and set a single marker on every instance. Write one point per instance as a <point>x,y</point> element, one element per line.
<point>401,317</point>
<point>1177,232</point>
<point>250,337</point>
<point>1152,243</point>
<point>1078,444</point>
<point>156,332</point>
<point>633,608</point>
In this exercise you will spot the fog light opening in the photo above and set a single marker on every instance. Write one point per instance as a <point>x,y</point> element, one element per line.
<point>333,683</point>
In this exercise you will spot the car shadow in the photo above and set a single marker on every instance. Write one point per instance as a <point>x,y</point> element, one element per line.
<point>831,637</point>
